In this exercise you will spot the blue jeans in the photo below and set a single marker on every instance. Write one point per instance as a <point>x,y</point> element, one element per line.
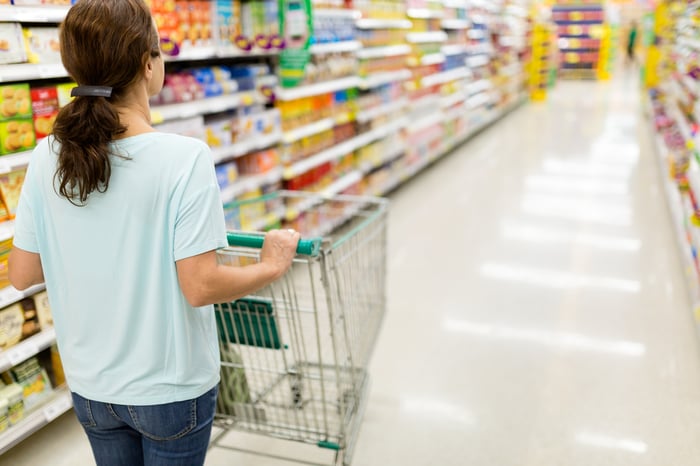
<point>172,434</point>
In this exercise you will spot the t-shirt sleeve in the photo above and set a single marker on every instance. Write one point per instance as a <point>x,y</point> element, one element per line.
<point>25,223</point>
<point>199,223</point>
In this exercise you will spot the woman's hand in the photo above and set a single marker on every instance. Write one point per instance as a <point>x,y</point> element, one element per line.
<point>279,250</point>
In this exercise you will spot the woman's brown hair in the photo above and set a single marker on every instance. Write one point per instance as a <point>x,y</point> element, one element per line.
<point>103,43</point>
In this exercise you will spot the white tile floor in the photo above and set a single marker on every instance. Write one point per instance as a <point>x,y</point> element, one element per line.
<point>537,312</point>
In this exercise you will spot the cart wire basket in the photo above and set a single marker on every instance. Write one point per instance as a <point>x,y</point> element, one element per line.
<point>295,353</point>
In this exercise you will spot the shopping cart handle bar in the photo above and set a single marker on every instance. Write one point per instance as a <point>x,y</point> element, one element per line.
<point>306,246</point>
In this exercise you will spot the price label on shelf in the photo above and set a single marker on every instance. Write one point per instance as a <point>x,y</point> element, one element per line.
<point>58,407</point>
<point>48,71</point>
<point>22,352</point>
<point>9,295</point>
<point>247,99</point>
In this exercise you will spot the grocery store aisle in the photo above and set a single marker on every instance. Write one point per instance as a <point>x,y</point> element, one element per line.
<point>537,312</point>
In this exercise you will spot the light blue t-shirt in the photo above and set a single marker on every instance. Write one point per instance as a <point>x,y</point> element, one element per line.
<point>125,331</point>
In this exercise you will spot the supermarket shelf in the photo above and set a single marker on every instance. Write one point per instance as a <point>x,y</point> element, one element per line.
<point>26,349</point>
<point>347,46</point>
<point>10,295</point>
<point>369,23</point>
<point>453,99</point>
<point>454,49</point>
<point>308,130</point>
<point>430,120</point>
<point>477,61</point>
<point>342,149</point>
<point>480,49</point>
<point>381,52</point>
<point>342,184</point>
<point>311,90</point>
<point>33,14</point>
<point>693,174</point>
<point>675,207</point>
<point>429,59</point>
<point>510,70</point>
<point>516,10</point>
<point>393,154</point>
<point>426,37</point>
<point>476,34</point>
<point>206,53</point>
<point>478,100</point>
<point>60,402</point>
<point>423,13</point>
<point>455,3</point>
<point>381,110</point>
<point>689,42</point>
<point>379,79</point>
<point>249,183</point>
<point>479,86</point>
<point>332,190</point>
<point>13,162</point>
<point>445,77</point>
<point>455,112</point>
<point>455,24</point>
<point>28,71</point>
<point>267,221</point>
<point>239,149</point>
<point>427,103</point>
<point>7,231</point>
<point>222,103</point>
<point>337,13</point>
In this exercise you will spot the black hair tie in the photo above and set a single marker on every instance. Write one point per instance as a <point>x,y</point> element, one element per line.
<point>91,91</point>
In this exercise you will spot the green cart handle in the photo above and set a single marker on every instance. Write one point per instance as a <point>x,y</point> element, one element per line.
<point>306,247</point>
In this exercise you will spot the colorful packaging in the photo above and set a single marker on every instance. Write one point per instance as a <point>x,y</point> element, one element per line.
<point>219,132</point>
<point>226,174</point>
<point>42,44</point>
<point>43,309</point>
<point>15,101</point>
<point>4,417</point>
<point>11,320</point>
<point>31,319</point>
<point>5,248</point>
<point>15,402</point>
<point>12,48</point>
<point>44,108</point>
<point>63,93</point>
<point>16,136</point>
<point>59,376</point>
<point>33,380</point>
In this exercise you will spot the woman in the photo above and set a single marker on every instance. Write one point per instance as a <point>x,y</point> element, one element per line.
<point>122,223</point>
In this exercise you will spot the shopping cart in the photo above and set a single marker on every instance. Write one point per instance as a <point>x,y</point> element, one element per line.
<point>295,354</point>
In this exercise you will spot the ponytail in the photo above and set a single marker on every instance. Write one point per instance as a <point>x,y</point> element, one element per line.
<point>84,129</point>
<point>103,44</point>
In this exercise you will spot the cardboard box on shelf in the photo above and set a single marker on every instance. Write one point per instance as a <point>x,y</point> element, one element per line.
<point>16,136</point>
<point>44,109</point>
<point>42,45</point>
<point>63,93</point>
<point>15,101</point>
<point>12,48</point>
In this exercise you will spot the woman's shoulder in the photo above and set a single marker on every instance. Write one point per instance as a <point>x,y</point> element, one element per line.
<point>186,143</point>
<point>169,145</point>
